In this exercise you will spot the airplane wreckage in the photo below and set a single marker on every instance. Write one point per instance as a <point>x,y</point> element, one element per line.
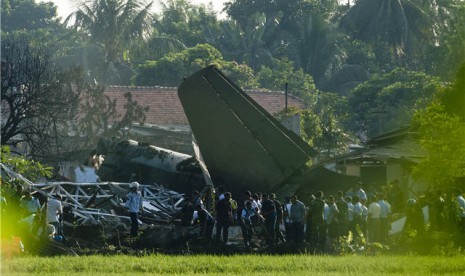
<point>240,147</point>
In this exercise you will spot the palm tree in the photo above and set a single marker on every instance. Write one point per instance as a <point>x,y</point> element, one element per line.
<point>394,23</point>
<point>113,26</point>
<point>315,47</point>
<point>255,44</point>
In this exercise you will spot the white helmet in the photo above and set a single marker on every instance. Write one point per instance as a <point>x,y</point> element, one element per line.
<point>134,185</point>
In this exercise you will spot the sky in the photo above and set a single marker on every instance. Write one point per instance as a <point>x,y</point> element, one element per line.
<point>65,7</point>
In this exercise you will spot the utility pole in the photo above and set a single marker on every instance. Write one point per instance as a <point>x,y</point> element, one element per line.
<point>285,102</point>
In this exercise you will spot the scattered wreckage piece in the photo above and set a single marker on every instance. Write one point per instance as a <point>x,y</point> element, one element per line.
<point>101,204</point>
<point>129,160</point>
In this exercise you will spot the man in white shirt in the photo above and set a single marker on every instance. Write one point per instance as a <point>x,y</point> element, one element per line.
<point>361,193</point>
<point>461,205</point>
<point>384,218</point>
<point>54,213</point>
<point>374,220</point>
<point>134,205</point>
<point>29,204</point>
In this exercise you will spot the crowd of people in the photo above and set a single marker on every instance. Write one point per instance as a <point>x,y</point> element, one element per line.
<point>319,220</point>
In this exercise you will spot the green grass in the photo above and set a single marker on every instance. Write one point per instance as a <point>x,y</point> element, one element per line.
<point>234,265</point>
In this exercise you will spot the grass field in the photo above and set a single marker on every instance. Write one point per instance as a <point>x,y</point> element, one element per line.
<point>235,265</point>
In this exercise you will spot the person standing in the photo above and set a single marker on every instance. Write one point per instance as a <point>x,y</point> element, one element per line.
<point>384,218</point>
<point>350,215</point>
<point>309,218</point>
<point>332,220</point>
<point>374,220</point>
<point>279,218</point>
<point>318,228</point>
<point>246,223</point>
<point>342,216</point>
<point>224,217</point>
<point>206,222</point>
<point>55,212</point>
<point>268,211</point>
<point>29,204</point>
<point>287,218</point>
<point>461,209</point>
<point>361,193</point>
<point>414,218</point>
<point>134,204</point>
<point>298,212</point>
<point>358,215</point>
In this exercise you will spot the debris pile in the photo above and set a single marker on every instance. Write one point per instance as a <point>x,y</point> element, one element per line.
<point>102,204</point>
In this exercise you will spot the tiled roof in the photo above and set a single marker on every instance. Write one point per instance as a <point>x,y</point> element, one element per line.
<point>165,107</point>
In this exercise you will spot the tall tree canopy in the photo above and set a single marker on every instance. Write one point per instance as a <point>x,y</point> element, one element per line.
<point>52,111</point>
<point>27,15</point>
<point>388,101</point>
<point>113,26</point>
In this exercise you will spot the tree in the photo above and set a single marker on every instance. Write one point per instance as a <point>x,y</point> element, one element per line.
<point>442,137</point>
<point>321,130</point>
<point>172,68</point>
<point>32,95</point>
<point>446,55</point>
<point>255,44</point>
<point>282,72</point>
<point>188,23</point>
<point>27,15</point>
<point>55,112</point>
<point>453,98</point>
<point>387,101</point>
<point>113,26</point>
<point>391,26</point>
<point>315,45</point>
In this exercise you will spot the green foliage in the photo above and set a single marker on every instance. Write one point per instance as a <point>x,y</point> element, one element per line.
<point>190,24</point>
<point>442,136</point>
<point>283,71</point>
<point>241,74</point>
<point>320,130</point>
<point>454,97</point>
<point>387,102</point>
<point>172,68</point>
<point>114,26</point>
<point>30,169</point>
<point>27,15</point>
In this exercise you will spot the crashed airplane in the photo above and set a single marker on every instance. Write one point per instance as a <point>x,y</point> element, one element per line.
<point>242,145</point>
<point>130,160</point>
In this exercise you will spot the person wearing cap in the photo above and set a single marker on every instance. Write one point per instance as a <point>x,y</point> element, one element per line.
<point>54,212</point>
<point>134,204</point>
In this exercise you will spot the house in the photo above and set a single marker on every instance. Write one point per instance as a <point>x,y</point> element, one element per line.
<point>166,124</point>
<point>385,159</point>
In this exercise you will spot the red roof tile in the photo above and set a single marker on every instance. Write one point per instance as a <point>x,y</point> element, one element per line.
<point>165,107</point>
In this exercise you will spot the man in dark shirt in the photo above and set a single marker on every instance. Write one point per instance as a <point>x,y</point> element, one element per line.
<point>268,211</point>
<point>224,217</point>
<point>206,222</point>
<point>279,236</point>
<point>318,225</point>
<point>342,216</point>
